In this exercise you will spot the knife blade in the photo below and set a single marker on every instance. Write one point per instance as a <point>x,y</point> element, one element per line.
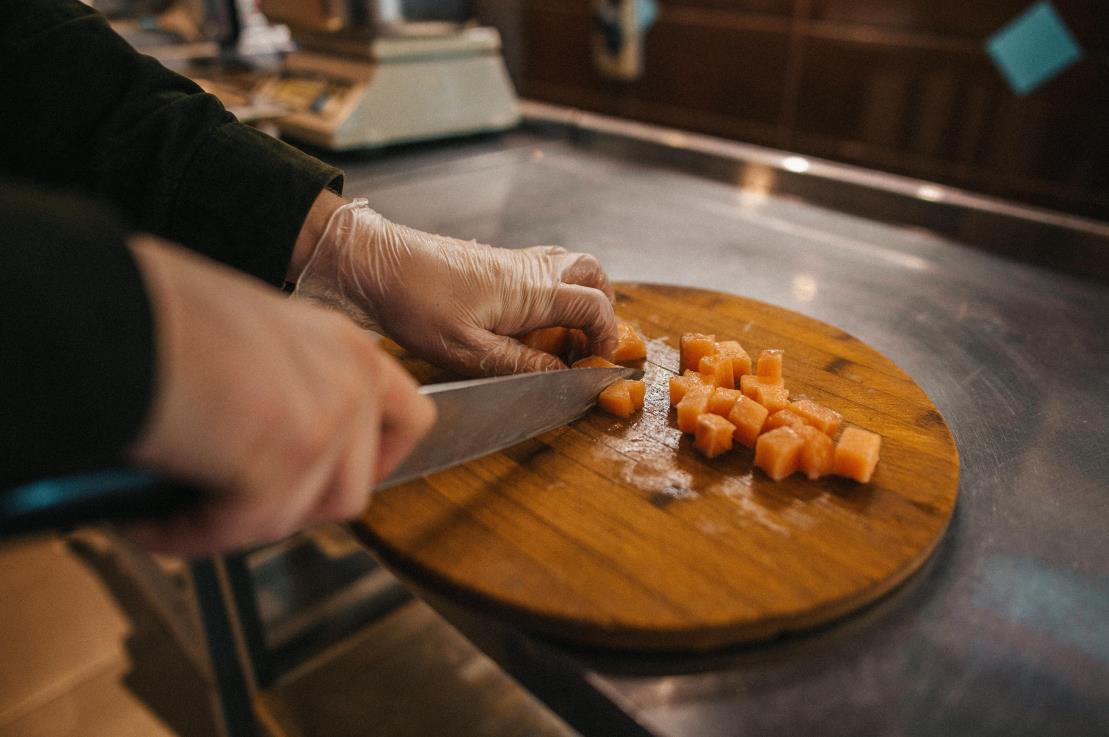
<point>482,416</point>
<point>475,418</point>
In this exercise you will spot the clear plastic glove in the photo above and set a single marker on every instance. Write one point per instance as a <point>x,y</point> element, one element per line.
<point>456,303</point>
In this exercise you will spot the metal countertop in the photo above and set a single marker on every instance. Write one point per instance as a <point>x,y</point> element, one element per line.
<point>1006,630</point>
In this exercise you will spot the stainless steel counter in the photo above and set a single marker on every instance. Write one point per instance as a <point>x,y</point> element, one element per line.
<point>1006,630</point>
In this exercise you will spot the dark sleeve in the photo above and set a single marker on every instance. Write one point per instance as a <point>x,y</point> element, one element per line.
<point>79,108</point>
<point>76,336</point>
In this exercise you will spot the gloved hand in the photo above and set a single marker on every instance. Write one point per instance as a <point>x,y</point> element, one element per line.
<point>456,303</point>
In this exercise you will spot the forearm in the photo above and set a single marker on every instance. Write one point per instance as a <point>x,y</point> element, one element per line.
<point>84,110</point>
<point>77,336</point>
<point>311,231</point>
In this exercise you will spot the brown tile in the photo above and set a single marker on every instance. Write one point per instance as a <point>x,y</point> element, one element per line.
<point>775,7</point>
<point>974,21</point>
<point>83,653</point>
<point>897,98</point>
<point>692,64</point>
<point>713,69</point>
<point>98,707</point>
<point>57,625</point>
<point>949,115</point>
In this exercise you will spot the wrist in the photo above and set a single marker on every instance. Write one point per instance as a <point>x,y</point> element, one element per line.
<point>326,203</point>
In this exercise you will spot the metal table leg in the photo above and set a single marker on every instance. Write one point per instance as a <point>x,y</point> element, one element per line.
<point>230,667</point>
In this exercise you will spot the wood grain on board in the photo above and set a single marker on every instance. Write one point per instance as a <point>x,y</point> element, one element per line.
<point>617,533</point>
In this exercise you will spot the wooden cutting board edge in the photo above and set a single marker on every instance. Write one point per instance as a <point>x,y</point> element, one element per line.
<point>627,639</point>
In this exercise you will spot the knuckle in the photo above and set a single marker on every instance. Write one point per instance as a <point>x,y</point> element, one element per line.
<point>362,346</point>
<point>308,445</point>
<point>266,411</point>
<point>597,301</point>
<point>585,306</point>
<point>589,261</point>
<point>471,357</point>
<point>585,267</point>
<point>542,362</point>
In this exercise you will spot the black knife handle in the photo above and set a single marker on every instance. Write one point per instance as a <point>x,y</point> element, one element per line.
<point>112,494</point>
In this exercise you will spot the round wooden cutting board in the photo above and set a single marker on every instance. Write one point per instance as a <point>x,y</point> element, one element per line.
<point>617,533</point>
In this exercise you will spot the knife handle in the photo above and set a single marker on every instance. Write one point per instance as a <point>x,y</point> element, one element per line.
<point>111,494</point>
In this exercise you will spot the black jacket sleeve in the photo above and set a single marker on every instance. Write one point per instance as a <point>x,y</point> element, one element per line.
<point>76,337</point>
<point>80,108</point>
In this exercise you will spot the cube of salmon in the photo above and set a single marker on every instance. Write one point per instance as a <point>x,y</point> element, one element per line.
<point>769,365</point>
<point>783,418</point>
<point>577,345</point>
<point>748,416</point>
<point>622,397</point>
<point>719,368</point>
<point>741,362</point>
<point>694,346</point>
<point>856,454</point>
<point>679,385</point>
<point>549,340</point>
<point>722,400</point>
<point>817,453</point>
<point>713,435</point>
<point>694,404</point>
<point>593,362</point>
<point>828,421</point>
<point>629,344</point>
<point>748,383</point>
<point>778,452</point>
<point>637,390</point>
<point>774,398</point>
<point>616,400</point>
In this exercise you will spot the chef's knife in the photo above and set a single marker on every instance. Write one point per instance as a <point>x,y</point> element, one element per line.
<point>475,418</point>
<point>482,416</point>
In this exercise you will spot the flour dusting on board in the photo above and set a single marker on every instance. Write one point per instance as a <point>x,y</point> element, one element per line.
<point>649,454</point>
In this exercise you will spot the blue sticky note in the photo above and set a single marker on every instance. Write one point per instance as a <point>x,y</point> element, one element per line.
<point>1033,47</point>
<point>646,13</point>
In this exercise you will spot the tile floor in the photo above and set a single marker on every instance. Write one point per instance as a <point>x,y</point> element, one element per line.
<point>64,658</point>
<point>80,658</point>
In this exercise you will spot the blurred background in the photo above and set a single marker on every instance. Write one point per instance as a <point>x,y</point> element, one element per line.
<point>905,86</point>
<point>1006,98</point>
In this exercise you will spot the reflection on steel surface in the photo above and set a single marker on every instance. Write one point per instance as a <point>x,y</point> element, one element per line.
<point>796,164</point>
<point>994,638</point>
<point>843,174</point>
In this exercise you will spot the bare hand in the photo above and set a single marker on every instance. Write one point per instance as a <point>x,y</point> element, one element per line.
<point>287,414</point>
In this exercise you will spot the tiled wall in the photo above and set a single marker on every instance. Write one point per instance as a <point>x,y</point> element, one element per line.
<point>899,85</point>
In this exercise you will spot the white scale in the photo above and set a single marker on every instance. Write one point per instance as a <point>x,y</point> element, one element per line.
<point>349,92</point>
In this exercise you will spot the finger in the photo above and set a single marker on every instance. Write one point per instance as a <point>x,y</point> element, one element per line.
<point>585,270</point>
<point>481,353</point>
<point>547,250</point>
<point>308,476</point>
<point>581,307</point>
<point>349,491</point>
<point>406,416</point>
<point>236,516</point>
<point>392,448</point>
